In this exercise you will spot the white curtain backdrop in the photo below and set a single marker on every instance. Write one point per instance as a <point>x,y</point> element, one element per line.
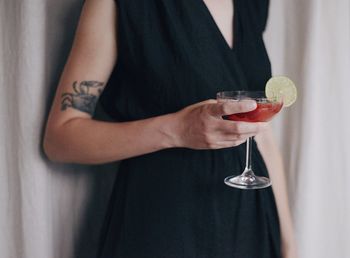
<point>309,40</point>
<point>46,210</point>
<point>55,211</point>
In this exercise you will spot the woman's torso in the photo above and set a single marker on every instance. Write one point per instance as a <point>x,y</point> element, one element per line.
<point>171,54</point>
<point>173,203</point>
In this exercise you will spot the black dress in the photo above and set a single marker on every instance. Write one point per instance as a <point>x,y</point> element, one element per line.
<point>174,203</point>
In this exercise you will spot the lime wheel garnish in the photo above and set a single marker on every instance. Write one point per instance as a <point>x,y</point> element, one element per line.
<point>281,86</point>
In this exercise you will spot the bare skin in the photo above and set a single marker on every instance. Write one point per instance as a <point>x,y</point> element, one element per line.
<point>72,136</point>
<point>222,12</point>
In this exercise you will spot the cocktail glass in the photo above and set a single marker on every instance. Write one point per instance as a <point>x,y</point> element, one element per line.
<point>266,109</point>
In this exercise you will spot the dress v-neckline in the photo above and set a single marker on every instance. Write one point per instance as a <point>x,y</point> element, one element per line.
<point>216,28</point>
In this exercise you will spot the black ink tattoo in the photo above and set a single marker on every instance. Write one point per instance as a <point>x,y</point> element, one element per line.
<point>84,98</point>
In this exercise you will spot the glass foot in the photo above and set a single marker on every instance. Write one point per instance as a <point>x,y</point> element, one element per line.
<point>249,181</point>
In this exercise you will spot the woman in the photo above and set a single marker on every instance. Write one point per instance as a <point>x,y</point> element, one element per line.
<point>156,66</point>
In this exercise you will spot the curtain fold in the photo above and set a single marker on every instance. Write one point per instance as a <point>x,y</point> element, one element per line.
<point>46,210</point>
<point>54,210</point>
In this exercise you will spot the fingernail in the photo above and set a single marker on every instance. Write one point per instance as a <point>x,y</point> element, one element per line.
<point>251,104</point>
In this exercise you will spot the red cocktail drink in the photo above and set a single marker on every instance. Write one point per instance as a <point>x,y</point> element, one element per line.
<point>263,113</point>
<point>266,109</point>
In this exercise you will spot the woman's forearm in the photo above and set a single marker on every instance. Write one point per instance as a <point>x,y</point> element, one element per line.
<point>273,160</point>
<point>87,141</point>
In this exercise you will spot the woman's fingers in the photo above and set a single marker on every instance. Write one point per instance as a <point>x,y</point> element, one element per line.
<point>231,107</point>
<point>233,138</point>
<point>240,128</point>
<point>227,144</point>
<point>235,133</point>
<point>200,126</point>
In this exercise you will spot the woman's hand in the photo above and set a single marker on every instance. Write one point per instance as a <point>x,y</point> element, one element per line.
<point>201,126</point>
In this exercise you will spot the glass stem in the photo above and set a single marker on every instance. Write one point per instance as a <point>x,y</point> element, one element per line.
<point>248,162</point>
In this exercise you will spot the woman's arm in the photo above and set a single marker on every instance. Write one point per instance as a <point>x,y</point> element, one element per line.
<point>273,160</point>
<point>73,136</point>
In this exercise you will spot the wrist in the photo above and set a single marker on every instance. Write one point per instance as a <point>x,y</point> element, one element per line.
<point>170,128</point>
